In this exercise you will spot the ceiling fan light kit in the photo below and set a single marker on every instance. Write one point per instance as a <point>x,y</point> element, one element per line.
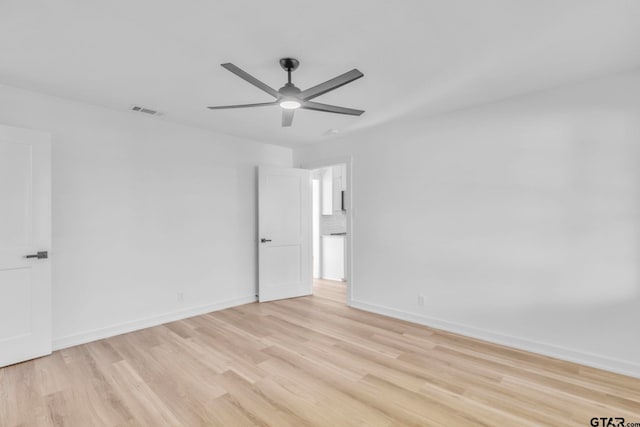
<point>290,98</point>
<point>289,104</point>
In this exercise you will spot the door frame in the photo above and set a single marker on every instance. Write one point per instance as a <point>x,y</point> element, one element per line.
<point>332,161</point>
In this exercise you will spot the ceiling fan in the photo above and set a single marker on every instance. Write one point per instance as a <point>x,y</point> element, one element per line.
<point>290,97</point>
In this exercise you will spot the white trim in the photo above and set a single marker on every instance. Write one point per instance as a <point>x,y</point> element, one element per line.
<point>551,350</point>
<point>146,322</point>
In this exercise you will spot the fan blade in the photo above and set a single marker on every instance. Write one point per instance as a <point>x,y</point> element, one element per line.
<point>308,105</point>
<point>261,104</point>
<point>287,117</point>
<point>248,77</point>
<point>330,85</point>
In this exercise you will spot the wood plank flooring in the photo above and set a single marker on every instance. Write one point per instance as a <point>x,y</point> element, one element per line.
<point>305,362</point>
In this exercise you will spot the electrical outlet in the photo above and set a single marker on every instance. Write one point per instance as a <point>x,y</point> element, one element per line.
<point>421,300</point>
<point>180,297</point>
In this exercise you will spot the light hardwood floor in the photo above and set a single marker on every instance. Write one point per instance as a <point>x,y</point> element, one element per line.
<point>305,362</point>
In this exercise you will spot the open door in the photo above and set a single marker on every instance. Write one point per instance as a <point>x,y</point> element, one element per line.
<point>25,239</point>
<point>284,227</point>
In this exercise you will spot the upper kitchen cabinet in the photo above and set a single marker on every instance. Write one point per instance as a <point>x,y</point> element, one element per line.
<point>340,176</point>
<point>326,189</point>
<point>334,180</point>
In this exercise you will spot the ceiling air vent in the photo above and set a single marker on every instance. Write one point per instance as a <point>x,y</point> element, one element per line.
<point>144,110</point>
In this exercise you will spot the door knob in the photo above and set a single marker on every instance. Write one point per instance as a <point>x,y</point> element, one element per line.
<point>263,240</point>
<point>39,255</point>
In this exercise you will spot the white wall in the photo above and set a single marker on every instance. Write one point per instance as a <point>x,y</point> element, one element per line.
<point>519,221</point>
<point>143,209</point>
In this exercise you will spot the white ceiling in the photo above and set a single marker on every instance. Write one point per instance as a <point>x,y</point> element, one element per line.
<point>418,56</point>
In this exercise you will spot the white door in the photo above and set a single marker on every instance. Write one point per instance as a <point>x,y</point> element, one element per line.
<point>25,230</point>
<point>284,227</point>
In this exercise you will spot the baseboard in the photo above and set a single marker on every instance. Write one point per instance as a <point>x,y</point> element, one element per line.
<point>551,350</point>
<point>335,279</point>
<point>147,322</point>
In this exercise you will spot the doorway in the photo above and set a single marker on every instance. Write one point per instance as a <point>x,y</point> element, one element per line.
<point>331,225</point>
<point>304,231</point>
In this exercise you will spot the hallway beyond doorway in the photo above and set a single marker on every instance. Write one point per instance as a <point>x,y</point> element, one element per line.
<point>330,289</point>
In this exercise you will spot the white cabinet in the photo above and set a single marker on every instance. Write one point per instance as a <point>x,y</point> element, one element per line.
<point>327,190</point>
<point>333,184</point>
<point>333,252</point>
<point>336,195</point>
<point>340,176</point>
<point>339,180</point>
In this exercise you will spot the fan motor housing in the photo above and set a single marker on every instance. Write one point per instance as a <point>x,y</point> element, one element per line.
<point>289,89</point>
